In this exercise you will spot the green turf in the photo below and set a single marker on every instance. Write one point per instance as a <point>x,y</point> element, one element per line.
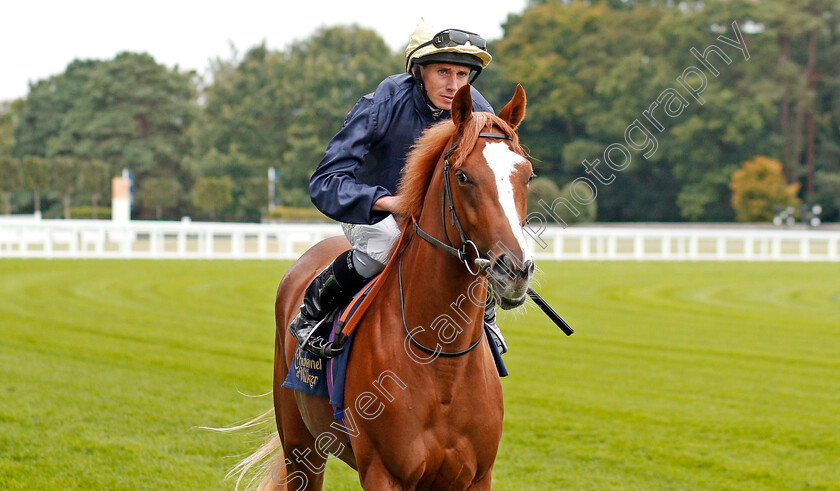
<point>680,376</point>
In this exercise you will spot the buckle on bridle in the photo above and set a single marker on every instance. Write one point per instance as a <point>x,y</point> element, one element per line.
<point>464,256</point>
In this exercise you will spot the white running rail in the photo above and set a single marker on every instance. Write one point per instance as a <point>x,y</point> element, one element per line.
<point>30,237</point>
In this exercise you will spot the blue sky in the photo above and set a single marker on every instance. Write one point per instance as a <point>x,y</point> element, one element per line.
<point>39,39</point>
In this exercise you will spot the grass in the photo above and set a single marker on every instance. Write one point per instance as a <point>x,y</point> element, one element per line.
<point>680,376</point>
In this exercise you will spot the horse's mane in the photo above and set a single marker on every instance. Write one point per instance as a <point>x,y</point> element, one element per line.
<point>425,153</point>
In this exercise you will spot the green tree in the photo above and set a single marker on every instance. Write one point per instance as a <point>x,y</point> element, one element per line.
<point>280,108</point>
<point>758,187</point>
<point>65,178</point>
<point>9,117</point>
<point>541,189</point>
<point>48,103</point>
<point>211,194</point>
<point>94,181</point>
<point>590,71</point>
<point>10,180</point>
<point>159,194</point>
<point>806,72</point>
<point>129,112</point>
<point>546,198</point>
<point>828,195</point>
<point>36,176</point>
<point>254,195</point>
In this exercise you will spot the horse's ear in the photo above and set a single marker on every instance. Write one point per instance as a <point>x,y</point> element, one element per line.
<point>514,111</point>
<point>462,106</point>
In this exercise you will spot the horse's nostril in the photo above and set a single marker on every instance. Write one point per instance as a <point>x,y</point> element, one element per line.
<point>528,269</point>
<point>512,268</point>
<point>500,267</point>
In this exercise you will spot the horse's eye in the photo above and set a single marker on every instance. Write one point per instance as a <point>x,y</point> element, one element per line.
<point>461,176</point>
<point>531,177</point>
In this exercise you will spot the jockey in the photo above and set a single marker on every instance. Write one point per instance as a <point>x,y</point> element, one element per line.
<point>356,182</point>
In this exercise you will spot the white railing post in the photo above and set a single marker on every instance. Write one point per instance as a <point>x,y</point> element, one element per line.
<point>559,245</point>
<point>208,242</point>
<point>749,246</point>
<point>639,247</point>
<point>262,243</point>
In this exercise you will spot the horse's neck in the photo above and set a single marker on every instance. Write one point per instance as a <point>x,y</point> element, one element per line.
<point>439,293</point>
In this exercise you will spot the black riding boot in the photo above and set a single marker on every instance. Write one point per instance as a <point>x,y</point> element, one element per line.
<point>490,322</point>
<point>334,286</point>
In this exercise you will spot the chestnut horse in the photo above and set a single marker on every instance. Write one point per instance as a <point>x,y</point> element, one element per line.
<point>423,405</point>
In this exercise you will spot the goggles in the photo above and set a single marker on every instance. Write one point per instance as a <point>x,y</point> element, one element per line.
<point>453,37</point>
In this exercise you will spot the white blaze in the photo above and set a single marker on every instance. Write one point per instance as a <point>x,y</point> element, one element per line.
<point>503,162</point>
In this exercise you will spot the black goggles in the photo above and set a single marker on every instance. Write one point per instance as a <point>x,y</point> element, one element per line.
<point>453,37</point>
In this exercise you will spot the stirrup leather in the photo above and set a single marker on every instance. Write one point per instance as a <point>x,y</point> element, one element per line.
<point>493,328</point>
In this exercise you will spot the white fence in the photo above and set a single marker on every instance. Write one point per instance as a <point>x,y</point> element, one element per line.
<point>157,239</point>
<point>686,243</point>
<point>28,237</point>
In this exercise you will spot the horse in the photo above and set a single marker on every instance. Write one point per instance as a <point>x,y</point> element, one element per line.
<point>424,406</point>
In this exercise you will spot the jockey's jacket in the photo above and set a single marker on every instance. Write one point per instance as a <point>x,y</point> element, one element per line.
<point>364,159</point>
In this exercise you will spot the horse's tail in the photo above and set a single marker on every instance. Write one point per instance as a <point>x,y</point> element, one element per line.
<point>271,470</point>
<point>270,462</point>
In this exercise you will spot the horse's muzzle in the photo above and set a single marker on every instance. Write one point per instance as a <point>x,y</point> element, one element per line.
<point>510,278</point>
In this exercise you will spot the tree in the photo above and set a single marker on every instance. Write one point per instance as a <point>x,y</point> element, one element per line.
<point>10,180</point>
<point>806,70</point>
<point>760,186</point>
<point>280,108</point>
<point>591,69</point>
<point>212,193</point>
<point>551,202</point>
<point>828,195</point>
<point>9,117</point>
<point>36,176</point>
<point>159,193</point>
<point>129,112</point>
<point>65,174</point>
<point>94,181</point>
<point>254,195</point>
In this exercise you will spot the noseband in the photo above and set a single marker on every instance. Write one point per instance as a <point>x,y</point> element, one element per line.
<point>462,253</point>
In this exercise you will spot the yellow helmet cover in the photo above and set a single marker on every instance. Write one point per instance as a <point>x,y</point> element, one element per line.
<point>428,45</point>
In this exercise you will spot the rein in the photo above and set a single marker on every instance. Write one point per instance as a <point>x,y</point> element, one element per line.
<point>462,253</point>
<point>414,341</point>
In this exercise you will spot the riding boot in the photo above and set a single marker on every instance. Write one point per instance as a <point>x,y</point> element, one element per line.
<point>490,322</point>
<point>333,287</point>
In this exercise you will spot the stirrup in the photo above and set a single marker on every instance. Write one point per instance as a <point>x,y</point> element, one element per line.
<point>322,348</point>
<point>316,343</point>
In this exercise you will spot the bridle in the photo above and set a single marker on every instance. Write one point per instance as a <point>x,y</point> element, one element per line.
<point>462,254</point>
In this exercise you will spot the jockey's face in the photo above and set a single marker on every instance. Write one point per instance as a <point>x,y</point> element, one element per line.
<point>442,80</point>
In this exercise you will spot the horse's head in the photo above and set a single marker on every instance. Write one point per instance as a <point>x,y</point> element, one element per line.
<point>488,179</point>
